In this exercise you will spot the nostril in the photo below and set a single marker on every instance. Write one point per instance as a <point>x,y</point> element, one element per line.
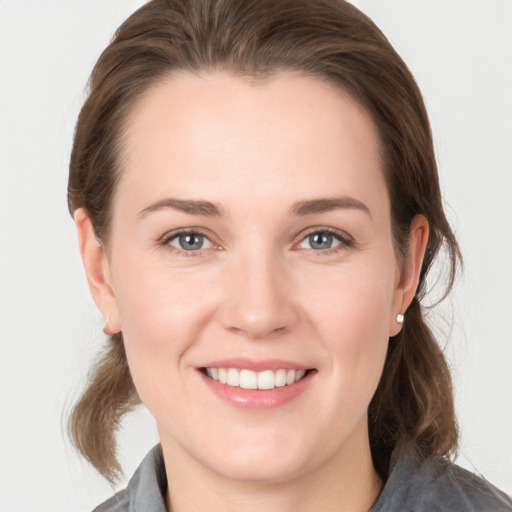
<point>258,303</point>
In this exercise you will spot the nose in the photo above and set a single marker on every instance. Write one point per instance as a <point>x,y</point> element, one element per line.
<point>259,302</point>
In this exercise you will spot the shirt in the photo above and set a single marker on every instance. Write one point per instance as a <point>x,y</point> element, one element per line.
<point>433,485</point>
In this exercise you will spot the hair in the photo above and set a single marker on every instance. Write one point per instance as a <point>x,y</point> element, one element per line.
<point>326,39</point>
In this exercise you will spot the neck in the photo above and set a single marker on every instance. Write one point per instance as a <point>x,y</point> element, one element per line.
<point>347,481</point>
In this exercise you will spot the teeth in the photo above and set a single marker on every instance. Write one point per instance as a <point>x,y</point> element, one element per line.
<point>233,378</point>
<point>247,379</point>
<point>280,378</point>
<point>266,380</point>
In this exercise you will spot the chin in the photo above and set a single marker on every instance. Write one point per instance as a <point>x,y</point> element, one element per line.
<point>267,455</point>
<point>257,468</point>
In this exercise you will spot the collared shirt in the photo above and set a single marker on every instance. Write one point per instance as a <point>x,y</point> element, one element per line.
<point>434,485</point>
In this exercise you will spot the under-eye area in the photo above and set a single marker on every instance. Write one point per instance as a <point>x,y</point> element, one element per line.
<point>263,380</point>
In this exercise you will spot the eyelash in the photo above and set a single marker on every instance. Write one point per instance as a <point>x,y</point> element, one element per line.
<point>346,241</point>
<point>168,237</point>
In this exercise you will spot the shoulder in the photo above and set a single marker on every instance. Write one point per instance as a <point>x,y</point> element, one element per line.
<point>120,502</point>
<point>145,491</point>
<point>436,485</point>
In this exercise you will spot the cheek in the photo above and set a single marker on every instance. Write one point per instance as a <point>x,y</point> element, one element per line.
<point>155,300</point>
<point>161,314</point>
<point>354,324</point>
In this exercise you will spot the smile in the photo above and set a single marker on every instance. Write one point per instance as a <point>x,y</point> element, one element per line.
<point>249,379</point>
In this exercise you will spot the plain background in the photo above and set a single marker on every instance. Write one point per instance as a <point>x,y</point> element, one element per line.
<point>460,52</point>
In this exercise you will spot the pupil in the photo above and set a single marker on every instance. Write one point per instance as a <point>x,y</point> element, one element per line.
<point>191,242</point>
<point>320,240</point>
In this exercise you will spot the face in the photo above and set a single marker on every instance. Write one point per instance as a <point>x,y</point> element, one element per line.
<point>252,271</point>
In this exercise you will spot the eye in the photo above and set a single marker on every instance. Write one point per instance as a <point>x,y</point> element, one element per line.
<point>322,241</point>
<point>190,242</point>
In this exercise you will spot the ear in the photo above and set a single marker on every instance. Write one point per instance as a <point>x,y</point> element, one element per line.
<point>97,270</point>
<point>410,275</point>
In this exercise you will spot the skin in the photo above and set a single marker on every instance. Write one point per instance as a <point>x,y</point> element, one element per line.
<point>257,288</point>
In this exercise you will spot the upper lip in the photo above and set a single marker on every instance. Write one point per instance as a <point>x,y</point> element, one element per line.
<point>257,365</point>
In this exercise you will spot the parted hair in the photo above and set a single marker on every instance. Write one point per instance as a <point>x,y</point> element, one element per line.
<point>329,40</point>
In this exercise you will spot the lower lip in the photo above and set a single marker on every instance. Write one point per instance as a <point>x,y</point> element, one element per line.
<point>258,399</point>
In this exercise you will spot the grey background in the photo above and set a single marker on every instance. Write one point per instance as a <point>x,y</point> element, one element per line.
<point>460,52</point>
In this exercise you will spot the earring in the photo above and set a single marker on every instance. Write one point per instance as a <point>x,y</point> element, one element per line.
<point>400,318</point>
<point>106,328</point>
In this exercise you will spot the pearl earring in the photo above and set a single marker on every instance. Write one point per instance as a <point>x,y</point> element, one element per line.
<point>400,318</point>
<point>107,329</point>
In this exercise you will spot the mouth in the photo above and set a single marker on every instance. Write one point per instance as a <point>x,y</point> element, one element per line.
<point>257,385</point>
<point>260,380</point>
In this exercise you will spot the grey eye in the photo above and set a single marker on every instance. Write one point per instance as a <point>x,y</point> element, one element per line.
<point>190,242</point>
<point>320,241</point>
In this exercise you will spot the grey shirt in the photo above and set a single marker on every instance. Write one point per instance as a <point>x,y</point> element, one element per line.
<point>412,486</point>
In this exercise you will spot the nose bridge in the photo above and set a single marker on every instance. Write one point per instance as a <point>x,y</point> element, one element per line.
<point>259,302</point>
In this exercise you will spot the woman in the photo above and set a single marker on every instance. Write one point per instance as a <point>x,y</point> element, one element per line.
<point>257,204</point>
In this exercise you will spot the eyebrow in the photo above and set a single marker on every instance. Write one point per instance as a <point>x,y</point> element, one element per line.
<point>209,209</point>
<point>191,206</point>
<point>328,204</point>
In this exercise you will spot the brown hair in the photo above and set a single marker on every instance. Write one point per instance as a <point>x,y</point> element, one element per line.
<point>334,42</point>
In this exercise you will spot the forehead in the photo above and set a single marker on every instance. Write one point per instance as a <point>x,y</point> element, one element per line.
<point>216,134</point>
